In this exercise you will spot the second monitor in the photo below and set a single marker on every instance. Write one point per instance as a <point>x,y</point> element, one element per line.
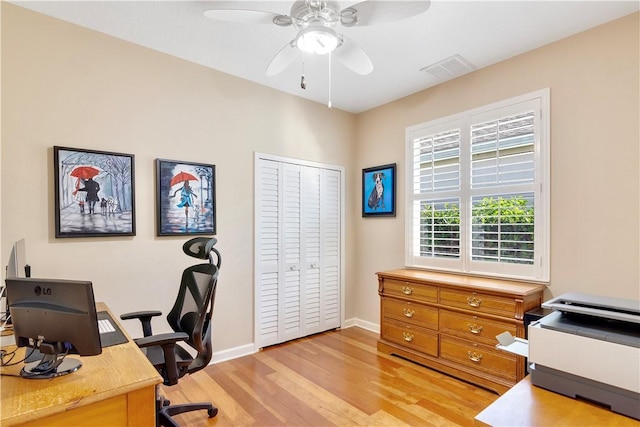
<point>56,317</point>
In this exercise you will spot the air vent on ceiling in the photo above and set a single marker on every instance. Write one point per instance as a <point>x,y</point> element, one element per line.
<point>449,68</point>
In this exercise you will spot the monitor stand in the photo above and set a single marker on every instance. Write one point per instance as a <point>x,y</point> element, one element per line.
<point>51,366</point>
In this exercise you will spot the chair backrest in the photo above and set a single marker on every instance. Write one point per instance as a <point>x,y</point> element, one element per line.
<point>193,308</point>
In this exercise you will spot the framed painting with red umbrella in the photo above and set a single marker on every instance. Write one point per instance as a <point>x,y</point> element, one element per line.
<point>94,193</point>
<point>185,198</point>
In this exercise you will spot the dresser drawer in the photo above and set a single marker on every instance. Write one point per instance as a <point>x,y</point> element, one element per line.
<point>477,301</point>
<point>410,336</point>
<point>409,312</point>
<point>415,291</point>
<point>482,357</point>
<point>474,328</point>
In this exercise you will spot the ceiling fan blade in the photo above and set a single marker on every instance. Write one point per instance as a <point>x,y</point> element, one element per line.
<point>283,59</point>
<point>371,12</point>
<point>353,57</point>
<point>245,16</point>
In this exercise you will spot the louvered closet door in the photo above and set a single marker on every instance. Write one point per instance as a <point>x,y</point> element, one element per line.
<point>290,298</point>
<point>298,242</point>
<point>320,270</point>
<point>268,205</point>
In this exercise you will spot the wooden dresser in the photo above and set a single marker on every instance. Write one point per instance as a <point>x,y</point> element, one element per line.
<point>449,322</point>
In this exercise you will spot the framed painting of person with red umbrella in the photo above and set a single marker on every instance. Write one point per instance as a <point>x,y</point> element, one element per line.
<point>185,198</point>
<point>94,193</point>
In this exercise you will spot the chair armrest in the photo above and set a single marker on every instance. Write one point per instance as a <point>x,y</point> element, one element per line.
<point>169,339</point>
<point>145,319</point>
<point>140,314</point>
<point>169,369</point>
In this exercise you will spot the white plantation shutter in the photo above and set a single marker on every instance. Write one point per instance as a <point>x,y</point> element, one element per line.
<point>437,179</point>
<point>503,168</point>
<point>436,160</point>
<point>503,151</point>
<point>298,250</point>
<point>479,193</point>
<point>438,238</point>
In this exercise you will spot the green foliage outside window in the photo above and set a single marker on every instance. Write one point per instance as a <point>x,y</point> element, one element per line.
<point>502,230</point>
<point>440,230</point>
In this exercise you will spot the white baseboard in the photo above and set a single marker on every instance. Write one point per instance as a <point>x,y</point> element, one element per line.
<point>232,353</point>
<point>247,349</point>
<point>369,326</point>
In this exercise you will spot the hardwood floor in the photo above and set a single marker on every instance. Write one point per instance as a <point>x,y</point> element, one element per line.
<point>336,378</point>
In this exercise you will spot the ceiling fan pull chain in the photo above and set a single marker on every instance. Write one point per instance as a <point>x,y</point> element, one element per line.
<point>330,56</point>
<point>303,84</point>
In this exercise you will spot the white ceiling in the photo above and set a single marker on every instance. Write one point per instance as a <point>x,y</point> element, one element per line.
<point>481,32</point>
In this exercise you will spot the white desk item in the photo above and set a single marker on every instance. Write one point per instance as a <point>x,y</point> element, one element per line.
<point>512,344</point>
<point>589,347</point>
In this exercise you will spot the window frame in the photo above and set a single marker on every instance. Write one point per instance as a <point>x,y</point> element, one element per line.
<point>539,102</point>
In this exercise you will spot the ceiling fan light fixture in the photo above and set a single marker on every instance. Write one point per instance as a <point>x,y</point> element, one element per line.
<point>318,40</point>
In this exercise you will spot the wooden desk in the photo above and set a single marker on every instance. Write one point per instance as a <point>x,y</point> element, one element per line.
<point>116,388</point>
<point>528,405</point>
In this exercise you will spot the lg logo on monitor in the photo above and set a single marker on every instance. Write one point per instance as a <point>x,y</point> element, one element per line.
<point>42,291</point>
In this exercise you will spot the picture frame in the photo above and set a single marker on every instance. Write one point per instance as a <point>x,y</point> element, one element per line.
<point>185,198</point>
<point>379,191</point>
<point>94,193</point>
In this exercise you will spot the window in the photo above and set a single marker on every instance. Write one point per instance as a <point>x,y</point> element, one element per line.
<point>478,190</point>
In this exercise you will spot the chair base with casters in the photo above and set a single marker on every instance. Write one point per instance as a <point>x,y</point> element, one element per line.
<point>162,347</point>
<point>190,318</point>
<point>164,411</point>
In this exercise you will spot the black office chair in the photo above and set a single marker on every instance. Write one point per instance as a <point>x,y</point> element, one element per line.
<point>190,318</point>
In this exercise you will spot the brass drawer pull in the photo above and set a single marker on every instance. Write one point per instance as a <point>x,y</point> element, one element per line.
<point>475,329</point>
<point>474,301</point>
<point>407,290</point>
<point>474,357</point>
<point>408,312</point>
<point>407,336</point>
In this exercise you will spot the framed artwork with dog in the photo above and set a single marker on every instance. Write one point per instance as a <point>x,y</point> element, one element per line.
<point>185,198</point>
<point>379,191</point>
<point>94,193</point>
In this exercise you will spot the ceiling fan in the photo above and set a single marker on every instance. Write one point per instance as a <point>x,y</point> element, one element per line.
<point>316,20</point>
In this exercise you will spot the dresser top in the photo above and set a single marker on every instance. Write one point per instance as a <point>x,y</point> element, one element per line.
<point>459,280</point>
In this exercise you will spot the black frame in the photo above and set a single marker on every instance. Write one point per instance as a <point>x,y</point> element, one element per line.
<point>372,204</point>
<point>201,218</point>
<point>114,213</point>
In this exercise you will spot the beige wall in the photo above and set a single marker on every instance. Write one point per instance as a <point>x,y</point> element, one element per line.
<point>65,85</point>
<point>595,158</point>
<point>69,86</point>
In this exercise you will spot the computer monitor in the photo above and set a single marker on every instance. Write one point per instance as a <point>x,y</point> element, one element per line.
<point>56,317</point>
<point>16,267</point>
<point>17,260</point>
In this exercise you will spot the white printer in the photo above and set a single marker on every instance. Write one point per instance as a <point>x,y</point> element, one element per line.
<point>589,347</point>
